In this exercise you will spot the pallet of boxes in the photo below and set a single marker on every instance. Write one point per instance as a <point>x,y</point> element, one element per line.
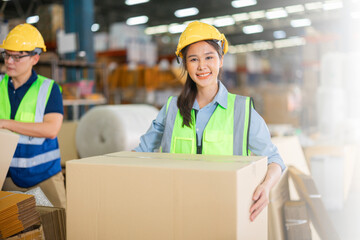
<point>20,216</point>
<point>296,209</point>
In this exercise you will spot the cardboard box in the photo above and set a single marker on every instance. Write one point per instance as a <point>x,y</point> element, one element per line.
<point>318,215</point>
<point>279,194</point>
<point>8,143</point>
<point>67,144</point>
<point>129,195</point>
<point>297,221</point>
<point>53,222</point>
<point>33,233</point>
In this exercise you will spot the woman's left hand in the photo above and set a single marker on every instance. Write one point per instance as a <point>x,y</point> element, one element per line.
<point>261,194</point>
<point>261,198</point>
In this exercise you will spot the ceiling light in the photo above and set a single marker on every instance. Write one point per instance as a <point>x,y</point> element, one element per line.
<point>156,29</point>
<point>331,5</point>
<point>241,17</point>
<point>313,6</point>
<point>209,21</point>
<point>279,34</point>
<point>290,42</point>
<point>186,12</point>
<point>295,8</point>
<point>224,21</point>
<point>304,22</point>
<point>243,3</point>
<point>134,2</point>
<point>32,19</point>
<point>176,28</point>
<point>257,14</point>
<point>251,29</point>
<point>137,20</point>
<point>276,13</point>
<point>95,27</point>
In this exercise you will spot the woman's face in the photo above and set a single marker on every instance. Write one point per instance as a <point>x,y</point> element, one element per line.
<point>203,64</point>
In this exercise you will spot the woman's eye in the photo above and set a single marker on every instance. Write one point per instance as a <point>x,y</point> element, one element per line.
<point>209,57</point>
<point>193,59</point>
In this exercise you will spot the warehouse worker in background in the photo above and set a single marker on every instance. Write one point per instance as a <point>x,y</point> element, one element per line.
<point>206,118</point>
<point>31,105</point>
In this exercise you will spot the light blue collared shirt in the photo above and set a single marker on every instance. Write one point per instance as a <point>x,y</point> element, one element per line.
<point>259,136</point>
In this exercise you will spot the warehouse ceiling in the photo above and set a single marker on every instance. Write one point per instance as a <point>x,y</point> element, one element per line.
<point>161,12</point>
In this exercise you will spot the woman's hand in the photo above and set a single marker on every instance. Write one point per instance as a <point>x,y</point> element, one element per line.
<point>261,194</point>
<point>261,198</point>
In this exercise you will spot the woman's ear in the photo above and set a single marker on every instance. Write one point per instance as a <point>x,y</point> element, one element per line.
<point>221,61</point>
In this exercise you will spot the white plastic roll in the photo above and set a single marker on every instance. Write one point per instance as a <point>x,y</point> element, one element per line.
<point>113,128</point>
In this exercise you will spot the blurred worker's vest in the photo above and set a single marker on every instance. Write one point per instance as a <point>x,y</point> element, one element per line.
<point>35,159</point>
<point>226,133</point>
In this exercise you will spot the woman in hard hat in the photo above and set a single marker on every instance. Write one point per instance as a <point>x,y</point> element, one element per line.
<point>206,118</point>
<point>32,106</point>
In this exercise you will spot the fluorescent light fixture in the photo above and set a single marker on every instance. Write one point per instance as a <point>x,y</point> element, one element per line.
<point>241,48</point>
<point>156,29</point>
<point>176,28</point>
<point>276,13</point>
<point>224,21</point>
<point>304,22</point>
<point>261,45</point>
<point>279,34</point>
<point>290,42</point>
<point>186,12</point>
<point>257,14</point>
<point>209,21</point>
<point>134,2</point>
<point>251,29</point>
<point>313,6</point>
<point>295,8</point>
<point>232,49</point>
<point>332,5</point>
<point>243,3</point>
<point>95,27</point>
<point>32,19</point>
<point>241,17</point>
<point>137,20</point>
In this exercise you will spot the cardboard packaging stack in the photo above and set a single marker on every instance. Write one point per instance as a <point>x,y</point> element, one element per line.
<point>36,233</point>
<point>318,215</point>
<point>297,221</point>
<point>129,195</point>
<point>53,222</point>
<point>17,213</point>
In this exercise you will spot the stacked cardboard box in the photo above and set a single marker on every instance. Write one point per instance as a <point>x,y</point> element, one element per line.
<point>32,233</point>
<point>297,221</point>
<point>130,195</point>
<point>53,222</point>
<point>17,213</point>
<point>318,215</point>
<point>51,20</point>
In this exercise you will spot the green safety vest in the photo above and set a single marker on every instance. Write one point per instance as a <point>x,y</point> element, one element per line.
<point>226,133</point>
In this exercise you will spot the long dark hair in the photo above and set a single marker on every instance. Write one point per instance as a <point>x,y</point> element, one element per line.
<point>187,96</point>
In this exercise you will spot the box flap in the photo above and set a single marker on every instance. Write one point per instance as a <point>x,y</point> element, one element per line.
<point>8,142</point>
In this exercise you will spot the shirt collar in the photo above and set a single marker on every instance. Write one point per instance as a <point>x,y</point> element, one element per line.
<point>220,97</point>
<point>29,82</point>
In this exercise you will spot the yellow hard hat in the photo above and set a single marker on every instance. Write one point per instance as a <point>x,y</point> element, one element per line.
<point>23,37</point>
<point>198,31</point>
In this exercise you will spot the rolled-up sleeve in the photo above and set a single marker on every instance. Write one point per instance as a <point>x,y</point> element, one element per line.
<point>260,140</point>
<point>151,140</point>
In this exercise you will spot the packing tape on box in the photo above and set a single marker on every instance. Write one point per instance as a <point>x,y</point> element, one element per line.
<point>294,222</point>
<point>113,128</point>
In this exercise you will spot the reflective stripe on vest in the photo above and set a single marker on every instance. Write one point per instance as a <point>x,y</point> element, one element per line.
<point>226,133</point>
<point>35,161</point>
<point>32,106</point>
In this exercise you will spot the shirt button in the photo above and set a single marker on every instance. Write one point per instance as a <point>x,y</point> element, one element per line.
<point>14,92</point>
<point>197,129</point>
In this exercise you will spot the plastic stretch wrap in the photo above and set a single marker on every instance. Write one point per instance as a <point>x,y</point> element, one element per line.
<point>113,128</point>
